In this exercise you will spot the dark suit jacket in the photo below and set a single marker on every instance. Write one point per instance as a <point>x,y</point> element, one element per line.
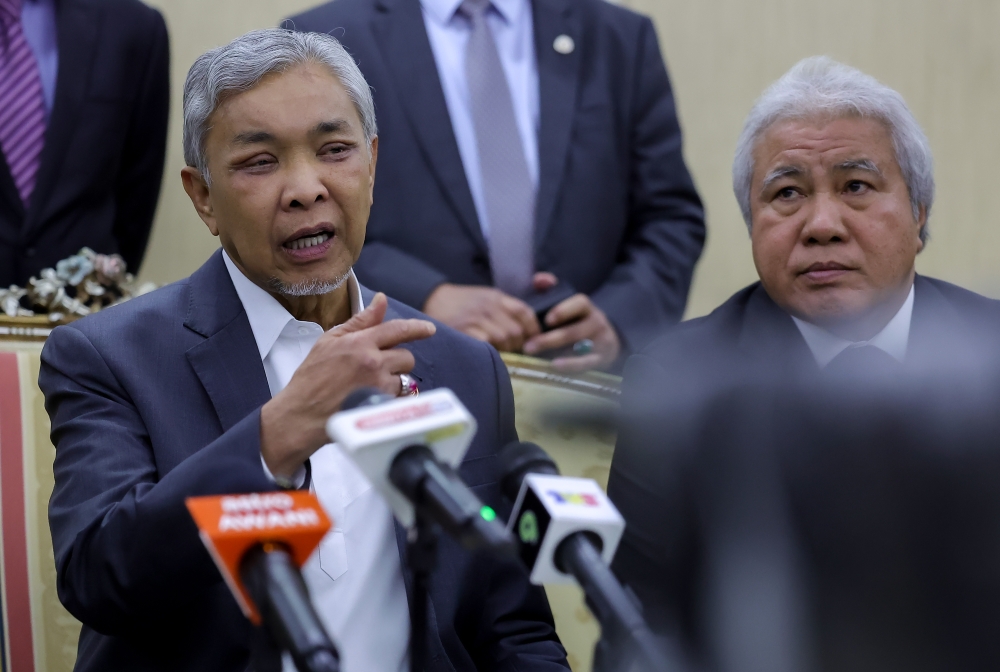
<point>672,388</point>
<point>104,145</point>
<point>617,215</point>
<point>158,400</point>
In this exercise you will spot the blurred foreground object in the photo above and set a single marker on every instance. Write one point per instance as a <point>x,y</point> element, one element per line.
<point>770,467</point>
<point>77,286</point>
<point>846,524</point>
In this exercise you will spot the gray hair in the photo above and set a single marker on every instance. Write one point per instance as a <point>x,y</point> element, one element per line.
<point>819,86</point>
<point>240,65</point>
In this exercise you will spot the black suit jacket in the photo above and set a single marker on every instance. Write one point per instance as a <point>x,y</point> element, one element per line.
<point>158,400</point>
<point>617,215</point>
<point>102,161</point>
<point>672,390</point>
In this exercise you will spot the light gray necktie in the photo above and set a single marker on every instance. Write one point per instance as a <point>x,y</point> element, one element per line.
<point>507,186</point>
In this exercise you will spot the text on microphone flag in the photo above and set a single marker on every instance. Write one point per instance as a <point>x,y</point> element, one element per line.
<point>230,525</point>
<point>394,416</point>
<point>257,502</point>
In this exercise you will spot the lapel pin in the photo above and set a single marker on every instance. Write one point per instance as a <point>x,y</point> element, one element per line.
<point>564,44</point>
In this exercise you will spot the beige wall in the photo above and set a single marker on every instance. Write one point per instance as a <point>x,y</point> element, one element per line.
<point>942,55</point>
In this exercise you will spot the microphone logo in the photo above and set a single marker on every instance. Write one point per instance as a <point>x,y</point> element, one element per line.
<point>527,528</point>
<point>574,498</point>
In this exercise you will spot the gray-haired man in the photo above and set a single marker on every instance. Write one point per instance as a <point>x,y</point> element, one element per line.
<point>835,180</point>
<point>223,382</point>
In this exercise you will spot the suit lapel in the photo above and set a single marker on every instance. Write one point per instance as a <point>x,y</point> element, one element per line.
<point>558,79</point>
<point>227,362</point>
<point>935,326</point>
<point>78,26</point>
<point>769,335</point>
<point>406,50</point>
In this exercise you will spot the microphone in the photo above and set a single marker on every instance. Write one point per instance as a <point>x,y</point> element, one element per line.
<point>258,542</point>
<point>569,529</point>
<point>409,448</point>
<point>549,509</point>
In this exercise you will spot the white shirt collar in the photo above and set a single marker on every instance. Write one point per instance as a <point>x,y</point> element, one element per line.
<point>442,11</point>
<point>893,339</point>
<point>268,317</point>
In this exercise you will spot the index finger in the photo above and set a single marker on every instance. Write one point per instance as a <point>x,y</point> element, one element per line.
<point>575,307</point>
<point>523,314</point>
<point>395,332</point>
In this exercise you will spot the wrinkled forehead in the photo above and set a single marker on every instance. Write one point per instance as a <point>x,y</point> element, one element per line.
<point>302,100</point>
<point>275,85</point>
<point>823,143</point>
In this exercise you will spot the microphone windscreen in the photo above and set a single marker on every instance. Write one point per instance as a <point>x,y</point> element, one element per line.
<point>365,396</point>
<point>517,460</point>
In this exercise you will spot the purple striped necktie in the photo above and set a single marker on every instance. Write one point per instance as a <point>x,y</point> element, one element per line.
<point>22,107</point>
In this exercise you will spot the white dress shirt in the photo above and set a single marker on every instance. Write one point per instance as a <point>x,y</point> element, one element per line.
<point>355,578</point>
<point>893,339</point>
<point>513,32</point>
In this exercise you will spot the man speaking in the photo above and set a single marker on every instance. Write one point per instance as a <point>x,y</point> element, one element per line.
<point>222,383</point>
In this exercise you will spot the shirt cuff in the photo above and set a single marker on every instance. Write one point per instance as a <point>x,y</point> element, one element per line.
<point>300,479</point>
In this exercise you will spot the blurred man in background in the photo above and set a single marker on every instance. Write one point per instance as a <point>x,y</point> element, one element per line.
<point>834,177</point>
<point>84,94</point>
<point>525,144</point>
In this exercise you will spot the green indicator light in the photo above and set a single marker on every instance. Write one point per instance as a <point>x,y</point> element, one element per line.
<point>488,514</point>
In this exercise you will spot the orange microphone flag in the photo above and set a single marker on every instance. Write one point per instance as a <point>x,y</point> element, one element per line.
<point>230,525</point>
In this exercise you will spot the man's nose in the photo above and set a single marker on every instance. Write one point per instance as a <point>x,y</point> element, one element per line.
<point>304,187</point>
<point>824,222</point>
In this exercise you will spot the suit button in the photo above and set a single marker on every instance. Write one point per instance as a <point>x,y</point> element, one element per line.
<point>30,252</point>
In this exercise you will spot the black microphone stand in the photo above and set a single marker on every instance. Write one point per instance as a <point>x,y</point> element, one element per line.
<point>421,551</point>
<point>289,620</point>
<point>627,644</point>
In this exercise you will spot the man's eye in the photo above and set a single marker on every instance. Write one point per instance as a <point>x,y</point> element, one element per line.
<point>335,149</point>
<point>857,187</point>
<point>258,162</point>
<point>786,193</point>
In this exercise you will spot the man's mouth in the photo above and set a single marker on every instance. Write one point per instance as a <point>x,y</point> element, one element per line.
<point>311,244</point>
<point>825,270</point>
<point>826,266</point>
<point>308,241</point>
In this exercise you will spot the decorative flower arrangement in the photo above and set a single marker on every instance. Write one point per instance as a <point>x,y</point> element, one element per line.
<point>77,286</point>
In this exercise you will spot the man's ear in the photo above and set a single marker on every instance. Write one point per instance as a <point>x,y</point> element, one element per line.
<point>201,196</point>
<point>371,170</point>
<point>921,223</point>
